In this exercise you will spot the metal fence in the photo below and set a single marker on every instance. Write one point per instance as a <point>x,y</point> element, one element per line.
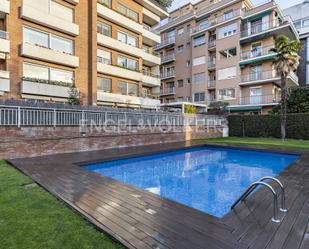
<point>17,116</point>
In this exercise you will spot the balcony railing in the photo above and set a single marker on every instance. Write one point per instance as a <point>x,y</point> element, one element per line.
<point>266,75</point>
<point>258,28</point>
<point>212,62</point>
<point>259,100</point>
<point>256,52</point>
<point>4,35</point>
<point>166,42</point>
<point>169,57</point>
<point>150,74</point>
<point>107,3</point>
<point>167,75</point>
<point>211,43</point>
<point>168,90</point>
<point>218,20</point>
<point>211,83</point>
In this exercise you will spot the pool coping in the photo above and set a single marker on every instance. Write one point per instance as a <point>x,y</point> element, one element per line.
<point>72,161</point>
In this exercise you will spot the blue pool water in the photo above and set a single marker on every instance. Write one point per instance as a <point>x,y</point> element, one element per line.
<point>206,178</point>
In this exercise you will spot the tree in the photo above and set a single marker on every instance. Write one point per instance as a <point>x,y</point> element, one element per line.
<point>218,107</point>
<point>297,101</point>
<point>190,109</point>
<point>74,97</point>
<point>165,3</point>
<point>286,61</point>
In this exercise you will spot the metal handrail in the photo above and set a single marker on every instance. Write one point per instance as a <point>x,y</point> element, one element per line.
<point>283,208</point>
<point>251,188</point>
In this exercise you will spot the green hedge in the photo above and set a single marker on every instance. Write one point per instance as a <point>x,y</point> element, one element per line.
<point>269,126</point>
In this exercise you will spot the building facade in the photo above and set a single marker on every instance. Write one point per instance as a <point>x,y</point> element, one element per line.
<point>300,15</point>
<point>103,48</point>
<point>218,51</point>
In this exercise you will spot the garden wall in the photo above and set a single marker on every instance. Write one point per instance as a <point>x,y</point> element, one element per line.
<point>269,126</point>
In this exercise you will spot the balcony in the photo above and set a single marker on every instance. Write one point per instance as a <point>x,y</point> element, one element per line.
<point>211,84</point>
<point>44,18</point>
<point>150,37</point>
<point>166,43</point>
<point>211,44</point>
<point>168,75</point>
<point>266,77</point>
<point>4,6</point>
<point>212,63</point>
<point>4,42</point>
<point>49,55</point>
<point>117,71</point>
<point>275,27</point>
<point>42,89</point>
<point>259,100</point>
<point>168,58</point>
<point>4,81</point>
<point>256,55</point>
<point>167,91</point>
<point>218,20</point>
<point>127,100</point>
<point>149,59</point>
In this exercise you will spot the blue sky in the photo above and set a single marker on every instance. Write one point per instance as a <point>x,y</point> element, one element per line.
<point>282,3</point>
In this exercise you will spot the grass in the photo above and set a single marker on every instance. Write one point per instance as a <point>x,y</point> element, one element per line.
<point>30,217</point>
<point>264,142</point>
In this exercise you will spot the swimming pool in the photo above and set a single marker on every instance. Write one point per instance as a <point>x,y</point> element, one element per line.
<point>209,179</point>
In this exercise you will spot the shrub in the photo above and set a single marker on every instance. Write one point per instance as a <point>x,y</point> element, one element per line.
<point>269,126</point>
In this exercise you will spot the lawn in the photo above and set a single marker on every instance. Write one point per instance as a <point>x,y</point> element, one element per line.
<point>30,217</point>
<point>264,142</point>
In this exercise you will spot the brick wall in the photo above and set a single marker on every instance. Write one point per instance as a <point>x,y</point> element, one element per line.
<point>37,141</point>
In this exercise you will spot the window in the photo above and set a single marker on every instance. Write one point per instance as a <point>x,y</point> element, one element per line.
<point>127,88</point>
<point>203,25</point>
<point>256,49</point>
<point>180,31</point>
<point>298,24</point>
<point>107,3</point>
<point>225,94</point>
<point>104,84</point>
<point>127,38</point>
<point>104,29</point>
<point>127,63</point>
<point>180,83</point>
<point>47,40</point>
<point>47,73</point>
<point>198,41</point>
<point>228,53</point>
<point>188,80</point>
<point>180,99</point>
<point>257,26</point>
<point>199,60</point>
<point>199,97</point>
<point>104,57</point>
<point>228,15</point>
<point>188,63</point>
<point>199,78</point>
<point>127,12</point>
<point>227,31</point>
<point>181,49</point>
<point>256,73</point>
<point>305,22</point>
<point>227,73</point>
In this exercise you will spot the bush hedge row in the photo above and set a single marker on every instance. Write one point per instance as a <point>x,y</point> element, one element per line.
<point>269,126</point>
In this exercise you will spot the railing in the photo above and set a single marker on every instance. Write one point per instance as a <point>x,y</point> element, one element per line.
<point>257,52</point>
<point>4,35</point>
<point>169,74</point>
<point>106,3</point>
<point>261,27</point>
<point>169,57</point>
<point>259,100</point>
<point>168,90</point>
<point>265,75</point>
<point>150,74</point>
<point>211,43</point>
<point>17,116</point>
<point>211,83</point>
<point>212,62</point>
<point>166,42</point>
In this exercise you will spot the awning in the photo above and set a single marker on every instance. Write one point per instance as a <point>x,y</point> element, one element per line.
<point>244,108</point>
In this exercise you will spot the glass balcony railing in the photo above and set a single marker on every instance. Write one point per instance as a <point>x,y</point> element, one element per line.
<point>169,74</point>
<point>211,83</point>
<point>258,76</point>
<point>168,90</point>
<point>169,41</point>
<point>167,58</point>
<point>256,52</point>
<point>259,100</point>
<point>212,62</point>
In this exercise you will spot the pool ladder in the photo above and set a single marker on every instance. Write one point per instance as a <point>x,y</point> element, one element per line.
<point>261,182</point>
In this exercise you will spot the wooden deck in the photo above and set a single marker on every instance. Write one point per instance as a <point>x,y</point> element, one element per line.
<point>139,219</point>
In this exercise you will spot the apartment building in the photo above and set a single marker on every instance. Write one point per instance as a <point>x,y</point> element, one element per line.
<point>300,16</point>
<point>103,48</point>
<point>219,50</point>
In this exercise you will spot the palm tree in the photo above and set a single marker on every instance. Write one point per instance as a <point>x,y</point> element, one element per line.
<point>285,62</point>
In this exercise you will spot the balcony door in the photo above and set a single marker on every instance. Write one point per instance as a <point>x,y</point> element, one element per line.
<point>256,73</point>
<point>256,50</point>
<point>256,26</point>
<point>256,96</point>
